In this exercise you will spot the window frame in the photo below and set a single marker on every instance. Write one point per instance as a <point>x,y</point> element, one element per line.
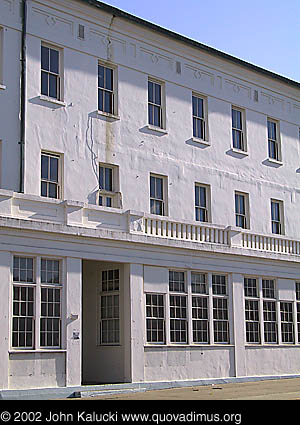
<point>113,292</point>
<point>59,182</point>
<point>203,119</point>
<point>59,75</point>
<point>114,194</point>
<point>156,318</point>
<point>163,200</point>
<point>162,105</point>
<point>246,215</point>
<point>37,287</point>
<point>114,91</point>
<point>276,141</point>
<point>241,130</point>
<point>206,208</point>
<point>279,222</point>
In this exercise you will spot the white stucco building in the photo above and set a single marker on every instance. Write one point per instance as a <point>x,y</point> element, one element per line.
<point>149,204</point>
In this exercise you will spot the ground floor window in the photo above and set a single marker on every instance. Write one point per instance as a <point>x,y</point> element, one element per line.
<point>195,310</point>
<point>109,311</point>
<point>36,297</point>
<point>270,320</point>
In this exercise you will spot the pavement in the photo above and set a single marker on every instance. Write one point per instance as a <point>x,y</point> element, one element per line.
<point>281,389</point>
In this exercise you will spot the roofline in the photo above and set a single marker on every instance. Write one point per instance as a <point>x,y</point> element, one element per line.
<point>139,21</point>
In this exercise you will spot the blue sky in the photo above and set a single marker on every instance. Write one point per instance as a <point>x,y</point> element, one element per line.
<point>263,32</point>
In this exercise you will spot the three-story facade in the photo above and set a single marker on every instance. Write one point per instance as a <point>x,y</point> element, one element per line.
<point>149,209</point>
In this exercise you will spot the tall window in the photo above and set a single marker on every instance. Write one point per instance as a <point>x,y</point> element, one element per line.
<point>50,72</point>
<point>298,309</point>
<point>27,315</point>
<point>109,307</point>
<point>105,89</point>
<point>269,310</point>
<point>220,309</point>
<point>23,321</point>
<point>251,310</point>
<point>178,307</point>
<point>201,203</point>
<point>198,117</point>
<point>200,307</point>
<point>50,175</point>
<point>276,217</point>
<point>287,322</point>
<point>155,318</point>
<point>50,322</point>
<point>273,140</point>
<point>155,111</point>
<point>237,129</point>
<point>157,202</point>
<point>241,210</point>
<point>108,186</point>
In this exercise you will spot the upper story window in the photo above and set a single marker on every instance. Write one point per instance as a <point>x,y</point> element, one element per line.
<point>201,203</point>
<point>157,197</point>
<point>155,104</point>
<point>198,117</point>
<point>50,72</point>
<point>108,186</point>
<point>238,135</point>
<point>277,217</point>
<point>273,140</point>
<point>50,175</point>
<point>106,89</point>
<point>241,210</point>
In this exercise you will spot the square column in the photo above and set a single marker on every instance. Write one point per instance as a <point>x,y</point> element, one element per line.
<point>73,298</point>
<point>5,303</point>
<point>134,322</point>
<point>238,323</point>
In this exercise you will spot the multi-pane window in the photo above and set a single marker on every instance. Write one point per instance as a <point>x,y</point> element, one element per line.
<point>178,307</point>
<point>237,129</point>
<point>201,203</point>
<point>109,307</point>
<point>200,308</point>
<point>198,117</point>
<point>26,315</point>
<point>108,177</point>
<point>176,281</point>
<point>251,310</point>
<point>157,203</point>
<point>50,175</point>
<point>23,320</point>
<point>178,318</point>
<point>268,288</point>
<point>23,317</point>
<point>50,72</point>
<point>276,217</point>
<point>252,320</point>
<point>105,89</point>
<point>273,140</point>
<point>241,210</point>
<point>50,322</point>
<point>298,309</point>
<point>155,318</point>
<point>287,322</point>
<point>155,111</point>
<point>220,309</point>
<point>270,321</point>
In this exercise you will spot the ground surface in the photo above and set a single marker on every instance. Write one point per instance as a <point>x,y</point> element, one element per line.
<point>282,389</point>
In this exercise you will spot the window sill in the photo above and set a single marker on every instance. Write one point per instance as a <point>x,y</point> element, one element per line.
<point>156,129</point>
<point>2,87</point>
<point>239,152</point>
<point>52,100</point>
<point>274,161</point>
<point>108,115</point>
<point>200,141</point>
